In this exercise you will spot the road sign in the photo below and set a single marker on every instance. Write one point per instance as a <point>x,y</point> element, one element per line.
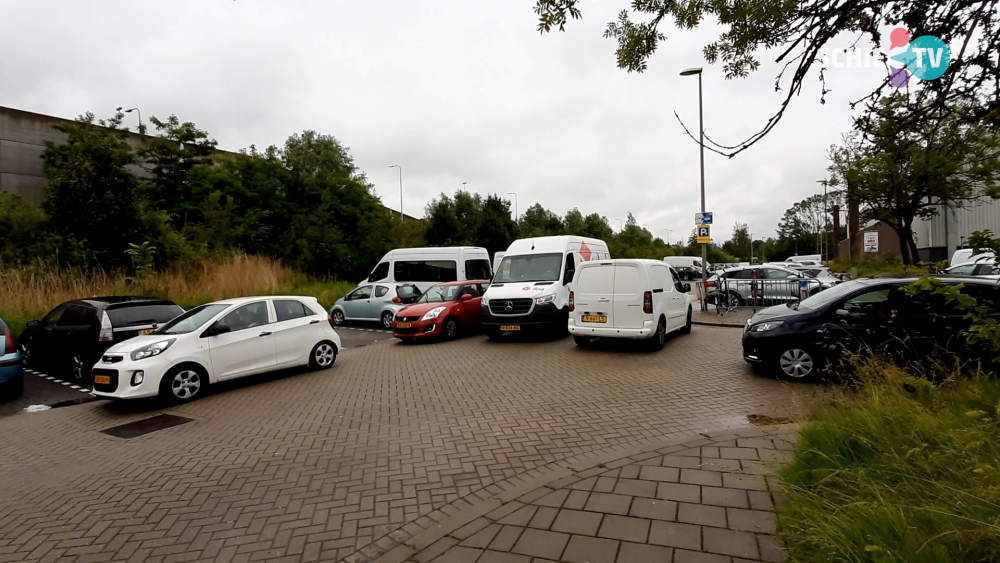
<point>871,241</point>
<point>704,234</point>
<point>703,218</point>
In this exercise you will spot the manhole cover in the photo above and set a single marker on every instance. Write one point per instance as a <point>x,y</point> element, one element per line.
<point>146,425</point>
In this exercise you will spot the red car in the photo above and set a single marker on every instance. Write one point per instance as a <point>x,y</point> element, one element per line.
<point>443,311</point>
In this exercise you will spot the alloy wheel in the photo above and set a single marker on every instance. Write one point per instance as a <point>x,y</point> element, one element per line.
<point>387,320</point>
<point>77,367</point>
<point>661,333</point>
<point>324,355</point>
<point>25,354</point>
<point>450,329</point>
<point>338,318</point>
<point>796,363</point>
<point>186,384</point>
<point>733,299</point>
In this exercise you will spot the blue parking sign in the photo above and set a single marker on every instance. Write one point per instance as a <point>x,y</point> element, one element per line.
<point>703,218</point>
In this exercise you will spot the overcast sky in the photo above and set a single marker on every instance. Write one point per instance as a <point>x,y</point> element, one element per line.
<point>453,91</point>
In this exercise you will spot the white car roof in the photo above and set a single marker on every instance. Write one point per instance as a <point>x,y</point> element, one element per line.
<point>242,300</point>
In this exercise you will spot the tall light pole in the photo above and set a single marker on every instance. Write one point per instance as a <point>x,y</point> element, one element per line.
<point>515,204</point>
<point>619,225</point>
<point>465,186</point>
<point>701,149</point>
<point>400,190</point>
<point>139,113</point>
<point>751,248</point>
<point>668,235</point>
<point>823,246</point>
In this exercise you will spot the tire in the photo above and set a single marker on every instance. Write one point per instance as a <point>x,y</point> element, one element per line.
<point>25,355</point>
<point>387,320</point>
<point>323,355</point>
<point>494,334</point>
<point>338,317</point>
<point>184,383</point>
<point>77,367</point>
<point>686,329</point>
<point>450,329</point>
<point>733,299</point>
<point>583,341</point>
<point>659,337</point>
<point>798,363</point>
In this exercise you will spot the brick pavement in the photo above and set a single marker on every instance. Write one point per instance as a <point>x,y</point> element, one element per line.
<point>352,461</point>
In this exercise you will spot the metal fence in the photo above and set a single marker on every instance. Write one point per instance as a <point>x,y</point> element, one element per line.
<point>728,294</point>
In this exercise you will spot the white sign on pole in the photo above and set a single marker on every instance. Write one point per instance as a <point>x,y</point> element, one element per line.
<point>871,241</point>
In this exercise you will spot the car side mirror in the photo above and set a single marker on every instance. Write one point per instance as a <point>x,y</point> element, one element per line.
<point>32,324</point>
<point>687,288</point>
<point>843,313</point>
<point>466,297</point>
<point>216,330</point>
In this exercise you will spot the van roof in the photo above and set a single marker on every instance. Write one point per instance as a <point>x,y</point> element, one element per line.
<point>623,261</point>
<point>552,244</point>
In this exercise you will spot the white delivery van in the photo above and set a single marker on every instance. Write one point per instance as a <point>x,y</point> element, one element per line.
<point>628,298</point>
<point>687,267</point>
<point>424,267</point>
<point>529,291</point>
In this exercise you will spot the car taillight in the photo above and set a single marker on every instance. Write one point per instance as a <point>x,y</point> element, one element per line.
<point>329,319</point>
<point>397,300</point>
<point>647,302</point>
<point>572,302</point>
<point>107,334</point>
<point>710,283</point>
<point>9,346</point>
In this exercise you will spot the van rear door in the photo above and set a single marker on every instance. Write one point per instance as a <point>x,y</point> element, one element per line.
<point>628,297</point>
<point>593,293</point>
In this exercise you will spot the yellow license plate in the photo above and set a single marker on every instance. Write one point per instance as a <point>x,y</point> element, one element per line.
<point>595,319</point>
<point>102,379</point>
<point>510,328</point>
<point>147,331</point>
<point>404,325</point>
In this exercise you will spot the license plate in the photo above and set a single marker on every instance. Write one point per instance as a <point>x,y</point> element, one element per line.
<point>147,331</point>
<point>404,325</point>
<point>102,379</point>
<point>595,319</point>
<point>510,328</point>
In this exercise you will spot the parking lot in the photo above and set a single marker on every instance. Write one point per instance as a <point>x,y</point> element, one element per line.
<point>321,465</point>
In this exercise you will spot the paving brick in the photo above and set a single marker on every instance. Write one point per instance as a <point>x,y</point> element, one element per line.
<point>654,509</point>
<point>759,500</point>
<point>624,528</point>
<point>643,553</point>
<point>460,555</point>
<point>771,549</point>
<point>702,514</point>
<point>553,499</point>
<point>652,473</point>
<point>539,543</point>
<point>505,538</point>
<point>673,534</point>
<point>680,492</point>
<point>520,517</point>
<point>685,556</point>
<point>577,522</point>
<point>499,557</point>
<point>583,549</point>
<point>679,461</point>
<point>718,496</point>
<point>576,500</point>
<point>608,503</point>
<point>749,482</point>
<point>543,517</point>
<point>635,488</point>
<point>729,542</point>
<point>435,549</point>
<point>701,477</point>
<point>757,521</point>
<point>482,538</point>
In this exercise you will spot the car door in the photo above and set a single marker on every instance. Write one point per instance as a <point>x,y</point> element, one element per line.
<point>468,311</point>
<point>43,339</point>
<point>249,346</point>
<point>295,331</point>
<point>381,300</point>
<point>862,322</point>
<point>627,301</point>
<point>593,296</point>
<point>678,299</point>
<point>358,303</point>
<point>663,292</point>
<point>77,334</point>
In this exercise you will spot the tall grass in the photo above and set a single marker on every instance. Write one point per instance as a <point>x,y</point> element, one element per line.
<point>899,470</point>
<point>29,293</point>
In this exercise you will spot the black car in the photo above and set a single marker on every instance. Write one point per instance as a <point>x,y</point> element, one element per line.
<point>71,338</point>
<point>798,339</point>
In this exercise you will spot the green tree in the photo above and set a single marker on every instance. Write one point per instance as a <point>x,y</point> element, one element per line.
<point>540,222</point>
<point>739,244</point>
<point>310,154</point>
<point>496,229</point>
<point>172,157</point>
<point>92,197</point>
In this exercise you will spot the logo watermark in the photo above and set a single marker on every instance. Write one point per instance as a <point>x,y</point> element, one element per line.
<point>925,58</point>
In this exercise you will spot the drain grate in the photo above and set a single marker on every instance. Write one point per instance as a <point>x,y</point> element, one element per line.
<point>146,426</point>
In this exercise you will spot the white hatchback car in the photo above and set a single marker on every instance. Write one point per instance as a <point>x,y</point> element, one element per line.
<point>215,342</point>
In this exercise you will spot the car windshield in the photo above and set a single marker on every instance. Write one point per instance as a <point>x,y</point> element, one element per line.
<point>192,320</point>
<point>824,298</point>
<point>529,268</point>
<point>441,293</point>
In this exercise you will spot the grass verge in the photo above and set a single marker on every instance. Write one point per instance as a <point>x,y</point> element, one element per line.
<point>900,470</point>
<point>28,294</point>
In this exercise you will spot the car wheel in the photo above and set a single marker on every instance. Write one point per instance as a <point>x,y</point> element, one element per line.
<point>323,355</point>
<point>338,317</point>
<point>659,337</point>
<point>494,334</point>
<point>184,383</point>
<point>582,341</point>
<point>25,355</point>
<point>686,329</point>
<point>76,366</point>
<point>387,320</point>
<point>798,363</point>
<point>450,329</point>
<point>733,299</point>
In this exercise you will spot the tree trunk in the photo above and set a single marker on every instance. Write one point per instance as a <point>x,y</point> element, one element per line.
<point>907,246</point>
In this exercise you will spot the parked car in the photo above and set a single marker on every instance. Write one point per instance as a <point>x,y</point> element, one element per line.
<point>428,266</point>
<point>11,372</point>
<point>216,342</point>
<point>763,285</point>
<point>71,338</point>
<point>985,266</point>
<point>966,255</point>
<point>443,311</point>
<point>793,339</point>
<point>687,267</point>
<point>530,290</point>
<point>627,298</point>
<point>374,302</point>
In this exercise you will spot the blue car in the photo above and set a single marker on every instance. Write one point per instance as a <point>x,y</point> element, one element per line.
<point>11,372</point>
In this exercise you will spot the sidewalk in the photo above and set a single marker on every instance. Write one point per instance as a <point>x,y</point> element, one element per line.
<point>703,499</point>
<point>736,317</point>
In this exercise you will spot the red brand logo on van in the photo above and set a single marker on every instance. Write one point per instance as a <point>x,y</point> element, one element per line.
<point>584,251</point>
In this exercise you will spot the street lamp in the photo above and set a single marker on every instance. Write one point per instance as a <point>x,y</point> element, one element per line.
<point>668,235</point>
<point>619,225</point>
<point>823,248</point>
<point>701,149</point>
<point>751,249</point>
<point>136,110</point>
<point>400,190</point>
<point>464,186</point>
<point>515,204</point>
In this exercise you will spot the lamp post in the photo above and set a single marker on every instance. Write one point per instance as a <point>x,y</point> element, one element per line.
<point>139,113</point>
<point>701,149</point>
<point>400,190</point>
<point>823,248</point>
<point>619,225</point>
<point>751,249</point>
<point>465,186</point>
<point>515,204</point>
<point>668,235</point>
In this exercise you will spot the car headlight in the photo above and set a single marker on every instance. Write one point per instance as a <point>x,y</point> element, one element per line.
<point>154,349</point>
<point>485,300</point>
<point>766,326</point>
<point>545,299</point>
<point>432,314</point>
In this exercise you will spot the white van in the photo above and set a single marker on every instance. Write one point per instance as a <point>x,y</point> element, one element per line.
<point>497,257</point>
<point>966,255</point>
<point>687,267</point>
<point>424,267</point>
<point>628,298</point>
<point>807,259</point>
<point>529,290</point>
